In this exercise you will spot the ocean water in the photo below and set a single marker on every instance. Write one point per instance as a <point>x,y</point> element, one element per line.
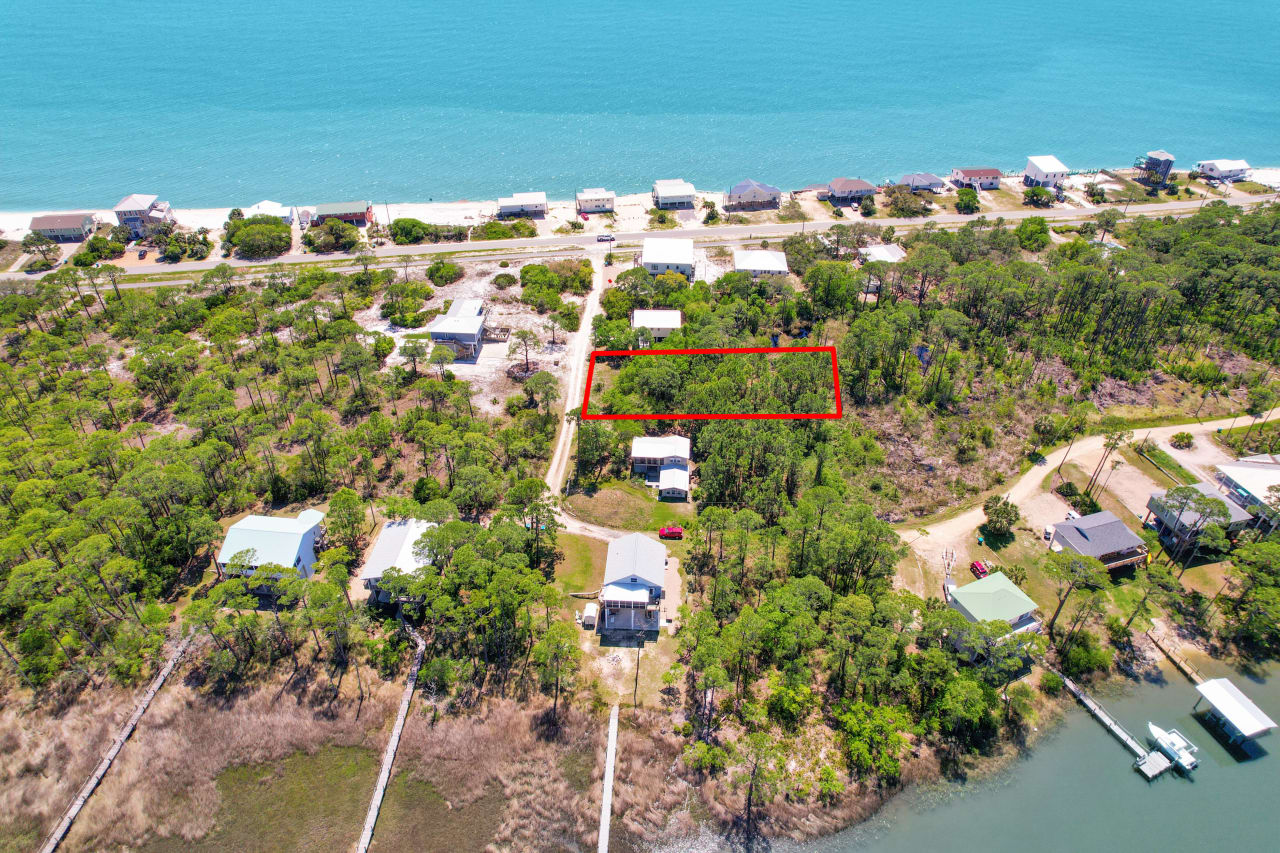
<point>226,103</point>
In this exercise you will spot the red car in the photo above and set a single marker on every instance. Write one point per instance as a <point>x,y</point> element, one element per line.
<point>978,569</point>
<point>671,533</point>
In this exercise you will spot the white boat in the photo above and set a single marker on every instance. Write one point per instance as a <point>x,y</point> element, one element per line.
<point>1181,751</point>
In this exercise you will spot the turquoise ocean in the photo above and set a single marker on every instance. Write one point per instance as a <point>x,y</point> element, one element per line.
<point>231,102</point>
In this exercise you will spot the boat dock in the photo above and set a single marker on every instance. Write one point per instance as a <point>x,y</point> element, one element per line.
<point>1149,762</point>
<point>1175,657</point>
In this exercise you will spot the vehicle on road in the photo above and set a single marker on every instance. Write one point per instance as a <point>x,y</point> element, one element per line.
<point>605,238</point>
<point>979,569</point>
<point>670,532</point>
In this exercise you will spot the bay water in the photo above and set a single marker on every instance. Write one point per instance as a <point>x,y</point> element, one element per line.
<point>227,103</point>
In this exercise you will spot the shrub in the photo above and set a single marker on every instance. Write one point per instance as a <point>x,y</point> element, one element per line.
<point>705,758</point>
<point>829,785</point>
<point>503,280</point>
<point>1067,489</point>
<point>1051,684</point>
<point>967,200</point>
<point>1183,440</point>
<point>790,705</point>
<point>1084,654</point>
<point>444,272</point>
<point>867,206</point>
<point>1037,197</point>
<point>333,235</point>
<point>406,231</point>
<point>427,489</point>
<point>1032,233</point>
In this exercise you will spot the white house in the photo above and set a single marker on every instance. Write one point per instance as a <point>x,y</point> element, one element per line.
<point>889,253</point>
<point>64,227</point>
<point>751,193</point>
<point>272,208</point>
<point>660,322</point>
<point>976,178</point>
<point>667,254</point>
<point>923,181</point>
<point>461,328</point>
<point>1249,481</point>
<point>760,262</point>
<point>673,483</point>
<point>596,200</point>
<point>394,547</point>
<point>651,453</point>
<point>1044,170</point>
<point>523,203</point>
<point>142,214</point>
<point>1224,170</point>
<point>675,192</point>
<point>635,572</point>
<point>256,540</point>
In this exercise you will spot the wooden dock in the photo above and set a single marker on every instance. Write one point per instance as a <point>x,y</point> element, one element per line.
<point>1149,762</point>
<point>1171,652</point>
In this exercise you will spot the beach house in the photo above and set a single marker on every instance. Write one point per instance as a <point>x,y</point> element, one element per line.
<point>258,540</point>
<point>667,254</point>
<point>1044,170</point>
<point>760,262</point>
<point>995,598</point>
<point>358,213</point>
<point>1180,525</point>
<point>394,547</point>
<point>1223,170</point>
<point>660,322</point>
<point>1102,536</point>
<point>849,190</point>
<point>596,200</point>
<point>461,328</point>
<point>651,453</point>
<point>142,214</point>
<point>63,227</point>
<point>675,192</point>
<point>635,572</point>
<point>1249,481</point>
<point>889,253</point>
<point>751,193</point>
<point>266,207</point>
<point>923,181</point>
<point>523,204</point>
<point>976,178</point>
<point>1158,163</point>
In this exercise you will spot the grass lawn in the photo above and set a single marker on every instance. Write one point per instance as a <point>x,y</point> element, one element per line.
<point>1162,458</point>
<point>1025,549</point>
<point>626,506</point>
<point>1253,187</point>
<point>582,568</point>
<point>661,220</point>
<point>9,253</point>
<point>304,802</point>
<point>414,816</point>
<point>1206,578</point>
<point>1005,199</point>
<point>1144,465</point>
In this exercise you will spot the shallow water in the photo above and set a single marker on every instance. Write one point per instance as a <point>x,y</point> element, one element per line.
<point>233,102</point>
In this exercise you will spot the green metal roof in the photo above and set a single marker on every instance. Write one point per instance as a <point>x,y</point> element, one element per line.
<point>338,208</point>
<point>993,597</point>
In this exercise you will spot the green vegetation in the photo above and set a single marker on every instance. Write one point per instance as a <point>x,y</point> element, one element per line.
<point>444,272</point>
<point>405,231</point>
<point>903,202</point>
<point>35,243</point>
<point>967,200</point>
<point>504,229</point>
<point>1037,197</point>
<point>1253,187</point>
<point>261,236</point>
<point>1166,462</point>
<point>542,285</point>
<point>661,220</point>
<point>790,211</point>
<point>333,235</point>
<point>1032,233</point>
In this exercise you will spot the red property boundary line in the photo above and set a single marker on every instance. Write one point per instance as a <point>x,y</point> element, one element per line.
<point>607,353</point>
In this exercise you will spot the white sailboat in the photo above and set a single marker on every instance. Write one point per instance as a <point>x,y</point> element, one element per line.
<point>1173,744</point>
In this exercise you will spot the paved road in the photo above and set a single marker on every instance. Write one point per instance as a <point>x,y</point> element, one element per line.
<point>717,234</point>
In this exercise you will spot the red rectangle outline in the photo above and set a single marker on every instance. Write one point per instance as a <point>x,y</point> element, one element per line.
<point>591,368</point>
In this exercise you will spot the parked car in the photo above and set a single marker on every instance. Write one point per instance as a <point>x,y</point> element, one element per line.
<point>585,218</point>
<point>979,570</point>
<point>605,238</point>
<point>142,253</point>
<point>671,533</point>
<point>1072,515</point>
<point>1048,532</point>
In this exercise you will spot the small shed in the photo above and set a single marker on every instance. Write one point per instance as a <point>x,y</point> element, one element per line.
<point>589,615</point>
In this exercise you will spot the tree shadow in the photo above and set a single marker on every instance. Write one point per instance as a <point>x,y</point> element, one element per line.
<point>996,541</point>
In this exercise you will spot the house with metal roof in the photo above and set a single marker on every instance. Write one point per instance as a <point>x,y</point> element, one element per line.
<point>664,462</point>
<point>259,540</point>
<point>396,546</point>
<point>1235,712</point>
<point>889,253</point>
<point>461,328</point>
<point>995,598</point>
<point>667,254</point>
<point>359,213</point>
<point>523,204</point>
<point>1182,525</point>
<point>923,181</point>
<point>634,578</point>
<point>660,322</point>
<point>758,262</point>
<point>674,192</point>
<point>142,213</point>
<point>1103,536</point>
<point>64,227</point>
<point>1224,170</point>
<point>266,207</point>
<point>1044,170</point>
<point>751,193</point>
<point>596,200</point>
<point>1249,481</point>
<point>976,178</point>
<point>849,190</point>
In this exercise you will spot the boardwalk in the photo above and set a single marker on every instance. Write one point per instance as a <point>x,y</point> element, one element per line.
<point>64,826</point>
<point>1149,763</point>
<point>1171,652</point>
<point>389,754</point>
<point>606,799</point>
